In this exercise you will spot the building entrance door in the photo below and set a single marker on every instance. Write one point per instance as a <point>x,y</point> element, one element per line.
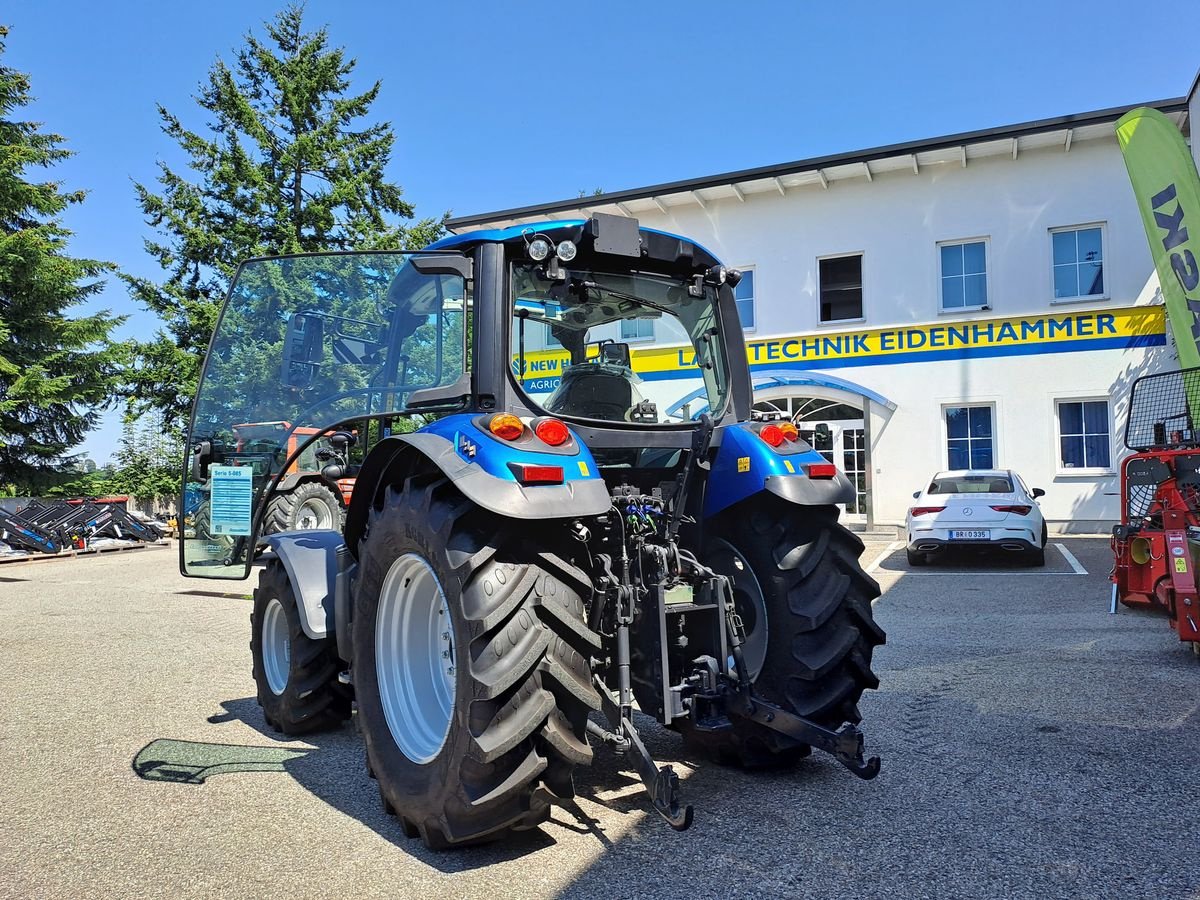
<point>842,442</point>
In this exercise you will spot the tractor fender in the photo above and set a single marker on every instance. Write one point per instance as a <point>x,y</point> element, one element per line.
<point>746,465</point>
<point>478,464</point>
<point>311,561</point>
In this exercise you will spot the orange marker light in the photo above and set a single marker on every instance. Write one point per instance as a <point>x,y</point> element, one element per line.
<point>551,431</point>
<point>790,431</point>
<point>506,426</point>
<point>772,434</point>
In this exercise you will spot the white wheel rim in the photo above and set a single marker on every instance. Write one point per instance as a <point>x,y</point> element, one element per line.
<point>313,514</point>
<point>276,647</point>
<point>414,658</point>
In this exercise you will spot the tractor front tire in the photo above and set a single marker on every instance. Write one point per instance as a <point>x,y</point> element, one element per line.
<point>796,571</point>
<point>471,665</point>
<point>309,505</point>
<point>296,676</point>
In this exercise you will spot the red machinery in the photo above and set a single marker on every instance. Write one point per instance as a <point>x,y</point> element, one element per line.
<point>1157,545</point>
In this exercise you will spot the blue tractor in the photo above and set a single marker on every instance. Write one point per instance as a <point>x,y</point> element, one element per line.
<point>531,538</point>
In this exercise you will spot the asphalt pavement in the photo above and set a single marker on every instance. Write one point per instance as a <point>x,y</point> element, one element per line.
<point>1032,745</point>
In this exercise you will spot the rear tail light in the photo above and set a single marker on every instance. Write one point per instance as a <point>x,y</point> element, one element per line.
<point>925,510</point>
<point>551,431</point>
<point>1016,508</point>
<point>790,431</point>
<point>537,474</point>
<point>772,434</point>
<point>506,426</point>
<point>822,470</point>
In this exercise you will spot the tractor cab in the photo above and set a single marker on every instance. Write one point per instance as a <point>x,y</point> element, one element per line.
<point>541,527</point>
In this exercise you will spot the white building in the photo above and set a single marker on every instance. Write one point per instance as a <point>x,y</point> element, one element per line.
<point>979,299</point>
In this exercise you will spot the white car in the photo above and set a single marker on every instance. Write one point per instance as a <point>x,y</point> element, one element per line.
<point>979,508</point>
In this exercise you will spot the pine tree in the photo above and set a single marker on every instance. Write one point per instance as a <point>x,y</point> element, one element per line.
<point>56,369</point>
<point>286,165</point>
<point>149,460</point>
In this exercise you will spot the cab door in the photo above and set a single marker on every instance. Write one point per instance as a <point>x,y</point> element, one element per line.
<point>312,344</point>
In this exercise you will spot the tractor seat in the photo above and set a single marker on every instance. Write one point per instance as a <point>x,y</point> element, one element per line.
<point>593,392</point>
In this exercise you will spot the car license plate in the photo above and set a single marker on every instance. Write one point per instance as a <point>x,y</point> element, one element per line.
<point>975,534</point>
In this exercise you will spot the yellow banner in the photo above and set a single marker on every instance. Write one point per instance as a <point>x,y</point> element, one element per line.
<point>1049,333</point>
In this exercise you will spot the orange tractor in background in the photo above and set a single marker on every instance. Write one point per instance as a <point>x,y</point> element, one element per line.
<point>305,497</point>
<point>1156,547</point>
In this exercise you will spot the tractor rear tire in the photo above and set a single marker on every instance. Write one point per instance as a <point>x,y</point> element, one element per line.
<point>309,505</point>
<point>799,572</point>
<point>296,676</point>
<point>511,665</point>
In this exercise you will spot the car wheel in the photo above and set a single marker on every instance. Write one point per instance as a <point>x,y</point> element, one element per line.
<point>1037,557</point>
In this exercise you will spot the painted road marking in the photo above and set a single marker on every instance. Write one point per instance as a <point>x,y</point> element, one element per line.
<point>1076,568</point>
<point>1070,558</point>
<point>891,548</point>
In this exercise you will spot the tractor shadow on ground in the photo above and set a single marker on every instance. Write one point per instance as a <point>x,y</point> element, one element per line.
<point>331,765</point>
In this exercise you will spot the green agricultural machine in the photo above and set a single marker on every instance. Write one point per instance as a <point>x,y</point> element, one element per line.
<point>533,546</point>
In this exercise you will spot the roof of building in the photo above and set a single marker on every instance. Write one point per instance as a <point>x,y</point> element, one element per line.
<point>1060,131</point>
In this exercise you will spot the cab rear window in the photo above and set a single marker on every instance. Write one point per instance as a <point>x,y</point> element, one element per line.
<point>971,485</point>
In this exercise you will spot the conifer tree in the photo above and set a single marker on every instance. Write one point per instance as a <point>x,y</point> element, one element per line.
<point>57,368</point>
<point>286,164</point>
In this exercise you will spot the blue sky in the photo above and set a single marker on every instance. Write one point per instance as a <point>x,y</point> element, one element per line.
<point>504,104</point>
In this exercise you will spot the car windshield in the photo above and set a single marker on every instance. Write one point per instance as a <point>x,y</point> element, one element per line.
<point>596,346</point>
<point>971,484</point>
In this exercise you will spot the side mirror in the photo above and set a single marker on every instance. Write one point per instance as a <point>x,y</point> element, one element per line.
<point>615,354</point>
<point>916,495</point>
<point>1037,492</point>
<point>202,455</point>
<point>303,350</point>
<point>821,431</point>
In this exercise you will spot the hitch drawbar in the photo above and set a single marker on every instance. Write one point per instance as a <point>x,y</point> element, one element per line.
<point>845,744</point>
<point>661,784</point>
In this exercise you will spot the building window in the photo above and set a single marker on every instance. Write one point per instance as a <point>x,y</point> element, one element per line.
<point>1083,436</point>
<point>969,437</point>
<point>841,288</point>
<point>637,329</point>
<point>1078,255</point>
<point>964,275</point>
<point>744,295</point>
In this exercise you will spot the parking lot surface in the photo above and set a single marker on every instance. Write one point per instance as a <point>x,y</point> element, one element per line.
<point>1032,745</point>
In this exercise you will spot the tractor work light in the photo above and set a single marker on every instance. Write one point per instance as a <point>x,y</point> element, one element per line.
<point>565,251</point>
<point>822,470</point>
<point>529,473</point>
<point>551,431</point>
<point>539,249</point>
<point>790,432</point>
<point>506,426</point>
<point>772,434</point>
<point>925,510</point>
